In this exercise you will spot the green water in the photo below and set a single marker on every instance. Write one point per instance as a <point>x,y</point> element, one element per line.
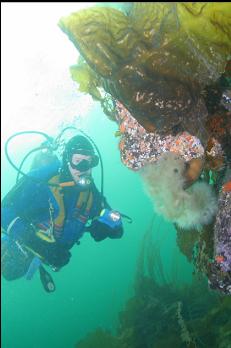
<point>93,288</point>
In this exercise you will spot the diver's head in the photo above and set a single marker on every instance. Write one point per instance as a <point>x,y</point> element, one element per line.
<point>78,158</point>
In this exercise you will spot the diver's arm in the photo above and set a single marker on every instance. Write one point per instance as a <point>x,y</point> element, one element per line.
<point>12,207</point>
<point>102,226</point>
<point>13,224</point>
<point>27,195</point>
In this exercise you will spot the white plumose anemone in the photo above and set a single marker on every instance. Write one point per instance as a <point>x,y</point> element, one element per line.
<point>189,208</point>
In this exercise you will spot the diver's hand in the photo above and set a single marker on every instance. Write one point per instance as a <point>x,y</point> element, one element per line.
<point>57,256</point>
<point>51,253</point>
<point>104,226</point>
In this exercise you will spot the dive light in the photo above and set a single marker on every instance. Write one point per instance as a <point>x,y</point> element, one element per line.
<point>111,218</point>
<point>84,181</point>
<point>114,215</point>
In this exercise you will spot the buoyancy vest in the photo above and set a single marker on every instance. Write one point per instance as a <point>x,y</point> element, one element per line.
<point>80,213</point>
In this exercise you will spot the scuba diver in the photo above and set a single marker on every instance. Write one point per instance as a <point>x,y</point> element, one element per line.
<point>49,209</point>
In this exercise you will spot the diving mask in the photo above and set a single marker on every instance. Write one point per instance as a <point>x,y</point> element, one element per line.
<point>84,165</point>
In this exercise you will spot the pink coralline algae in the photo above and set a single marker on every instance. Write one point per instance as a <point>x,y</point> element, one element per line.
<point>220,276</point>
<point>223,230</point>
<point>138,147</point>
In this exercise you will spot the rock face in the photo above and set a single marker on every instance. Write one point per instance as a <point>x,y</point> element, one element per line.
<point>139,147</point>
<point>160,71</point>
<point>223,231</point>
<point>220,277</point>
